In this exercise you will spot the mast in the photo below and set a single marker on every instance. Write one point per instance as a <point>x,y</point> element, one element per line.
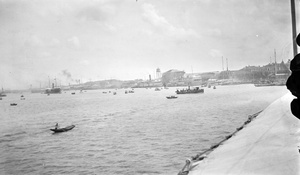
<point>222,64</point>
<point>275,61</point>
<point>294,29</point>
<point>49,82</point>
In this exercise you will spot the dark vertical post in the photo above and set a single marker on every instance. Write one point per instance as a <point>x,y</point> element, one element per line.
<point>294,30</point>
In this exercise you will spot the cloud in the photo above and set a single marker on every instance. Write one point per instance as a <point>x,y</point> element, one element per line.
<point>45,54</point>
<point>110,27</point>
<point>34,40</point>
<point>215,32</point>
<point>54,42</point>
<point>96,12</point>
<point>215,53</point>
<point>74,41</point>
<point>85,62</point>
<point>151,16</point>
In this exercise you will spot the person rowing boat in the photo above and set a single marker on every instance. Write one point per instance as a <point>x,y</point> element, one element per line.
<point>56,126</point>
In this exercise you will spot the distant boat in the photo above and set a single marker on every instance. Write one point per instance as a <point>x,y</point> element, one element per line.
<point>171,97</point>
<point>63,129</point>
<point>190,91</point>
<point>13,104</point>
<point>115,93</point>
<point>2,93</point>
<point>157,89</point>
<point>264,84</point>
<point>268,83</point>
<point>73,93</point>
<point>214,87</point>
<point>53,90</point>
<point>37,91</point>
<point>56,90</point>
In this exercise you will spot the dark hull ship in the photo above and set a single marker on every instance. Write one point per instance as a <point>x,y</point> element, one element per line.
<point>190,91</point>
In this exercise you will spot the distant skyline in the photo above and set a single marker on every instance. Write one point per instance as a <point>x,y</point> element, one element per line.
<point>128,39</point>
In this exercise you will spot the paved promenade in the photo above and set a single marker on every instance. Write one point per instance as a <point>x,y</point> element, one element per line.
<point>268,145</point>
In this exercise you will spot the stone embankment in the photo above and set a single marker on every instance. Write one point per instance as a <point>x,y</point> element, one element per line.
<point>267,144</point>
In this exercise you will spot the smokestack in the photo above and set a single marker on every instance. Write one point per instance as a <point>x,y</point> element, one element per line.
<point>227,63</point>
<point>52,85</point>
<point>149,77</point>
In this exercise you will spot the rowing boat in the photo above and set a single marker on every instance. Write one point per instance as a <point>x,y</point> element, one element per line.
<point>63,129</point>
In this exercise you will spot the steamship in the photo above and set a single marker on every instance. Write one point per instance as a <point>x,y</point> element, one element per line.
<point>53,90</point>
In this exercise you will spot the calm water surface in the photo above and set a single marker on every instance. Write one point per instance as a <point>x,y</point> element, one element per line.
<point>139,133</point>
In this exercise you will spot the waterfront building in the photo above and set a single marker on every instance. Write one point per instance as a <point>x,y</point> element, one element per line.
<point>193,79</point>
<point>173,77</point>
<point>158,73</point>
<point>272,73</point>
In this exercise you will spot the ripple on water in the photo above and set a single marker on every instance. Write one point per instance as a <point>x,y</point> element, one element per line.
<point>141,133</point>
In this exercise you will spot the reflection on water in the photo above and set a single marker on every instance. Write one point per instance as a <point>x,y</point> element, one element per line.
<point>137,133</point>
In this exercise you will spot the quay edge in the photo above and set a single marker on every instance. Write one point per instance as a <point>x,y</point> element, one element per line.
<point>270,144</point>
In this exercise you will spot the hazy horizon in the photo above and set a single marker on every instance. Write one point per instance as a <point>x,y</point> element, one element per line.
<point>129,39</point>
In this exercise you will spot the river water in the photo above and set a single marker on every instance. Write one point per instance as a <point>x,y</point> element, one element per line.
<point>137,133</point>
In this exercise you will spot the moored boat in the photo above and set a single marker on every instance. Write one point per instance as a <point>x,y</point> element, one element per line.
<point>264,84</point>
<point>63,129</point>
<point>157,89</point>
<point>53,90</point>
<point>2,94</point>
<point>171,97</point>
<point>190,91</point>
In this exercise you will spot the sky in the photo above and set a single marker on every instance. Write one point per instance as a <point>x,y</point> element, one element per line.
<point>73,40</point>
